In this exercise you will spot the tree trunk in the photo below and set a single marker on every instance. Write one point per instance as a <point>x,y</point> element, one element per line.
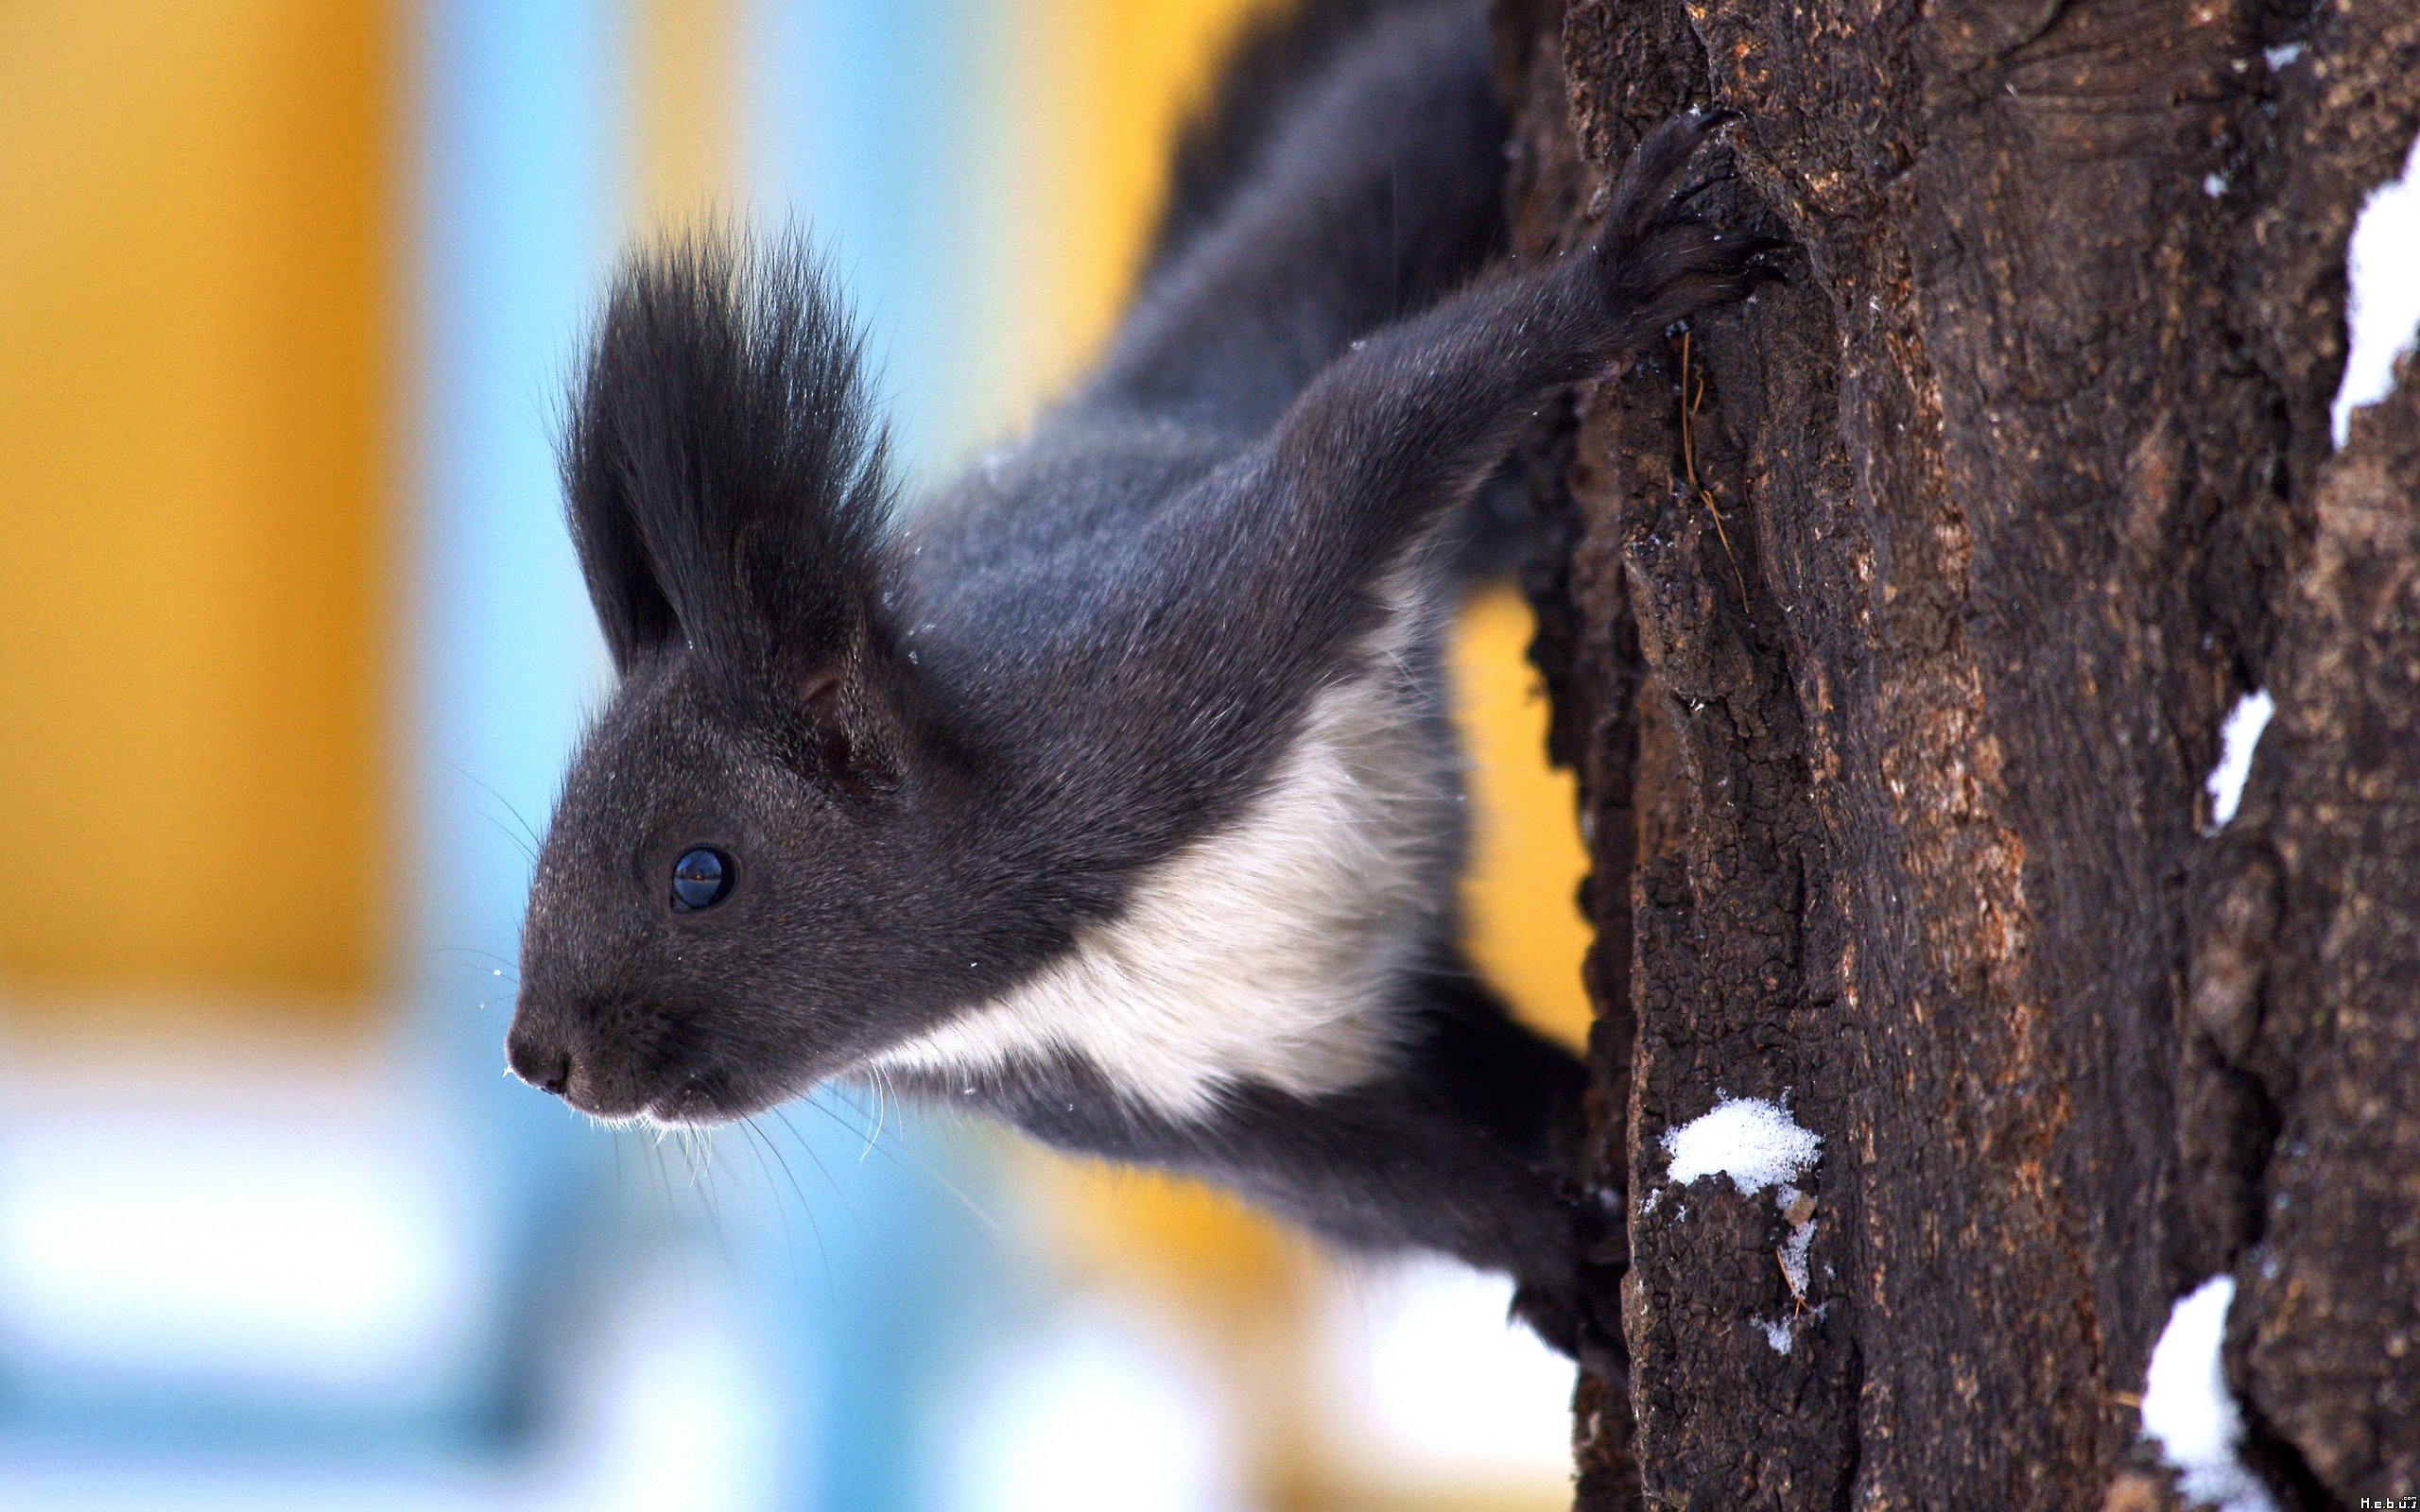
<point>1892,635</point>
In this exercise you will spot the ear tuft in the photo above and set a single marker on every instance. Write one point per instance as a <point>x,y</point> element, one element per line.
<point>723,466</point>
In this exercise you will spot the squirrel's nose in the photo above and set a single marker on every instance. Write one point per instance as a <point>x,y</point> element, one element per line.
<point>542,1064</point>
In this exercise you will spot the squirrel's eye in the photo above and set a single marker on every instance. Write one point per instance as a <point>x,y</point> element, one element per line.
<point>701,878</point>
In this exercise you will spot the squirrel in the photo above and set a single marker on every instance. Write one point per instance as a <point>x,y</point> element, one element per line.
<point>1112,792</point>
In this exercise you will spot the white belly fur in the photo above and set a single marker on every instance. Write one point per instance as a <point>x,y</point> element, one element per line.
<point>1265,951</point>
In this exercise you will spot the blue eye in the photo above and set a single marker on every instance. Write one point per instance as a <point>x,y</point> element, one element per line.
<point>701,878</point>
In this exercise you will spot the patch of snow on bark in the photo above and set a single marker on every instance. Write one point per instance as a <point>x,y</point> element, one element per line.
<point>2282,56</point>
<point>1782,1333</point>
<point>2382,294</point>
<point>1755,1142</point>
<point>2237,739</point>
<point>2214,184</point>
<point>1801,1235</point>
<point>2188,1411</point>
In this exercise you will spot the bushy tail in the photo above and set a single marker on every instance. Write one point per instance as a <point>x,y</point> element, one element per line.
<point>1347,170</point>
<point>1280,50</point>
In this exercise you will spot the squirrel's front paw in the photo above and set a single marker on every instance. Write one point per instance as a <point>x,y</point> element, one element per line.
<point>1658,264</point>
<point>1573,1300</point>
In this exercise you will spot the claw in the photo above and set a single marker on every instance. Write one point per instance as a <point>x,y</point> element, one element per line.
<point>1757,265</point>
<point>1656,162</point>
<point>1676,204</point>
<point>1661,263</point>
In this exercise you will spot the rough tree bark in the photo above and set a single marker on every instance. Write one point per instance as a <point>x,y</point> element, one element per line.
<point>1894,626</point>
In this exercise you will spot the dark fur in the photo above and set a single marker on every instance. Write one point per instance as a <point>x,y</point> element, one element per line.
<point>940,753</point>
<point>1272,63</point>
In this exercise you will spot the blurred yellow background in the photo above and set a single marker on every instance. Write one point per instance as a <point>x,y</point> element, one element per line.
<point>198,420</point>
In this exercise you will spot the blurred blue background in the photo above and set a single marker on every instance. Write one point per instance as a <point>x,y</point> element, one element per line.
<point>293,653</point>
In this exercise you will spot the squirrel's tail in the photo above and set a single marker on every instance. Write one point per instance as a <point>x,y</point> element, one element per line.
<point>1347,170</point>
<point>1280,51</point>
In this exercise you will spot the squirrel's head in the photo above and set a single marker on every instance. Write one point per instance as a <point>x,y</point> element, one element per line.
<point>740,887</point>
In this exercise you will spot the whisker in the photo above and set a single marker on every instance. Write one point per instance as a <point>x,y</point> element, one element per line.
<point>882,1094</point>
<point>910,1163</point>
<point>813,1228</point>
<point>504,961</point>
<point>535,840</point>
<point>807,1149</point>
<point>518,844</point>
<point>701,1156</point>
<point>662,1180</point>
<point>772,1191</point>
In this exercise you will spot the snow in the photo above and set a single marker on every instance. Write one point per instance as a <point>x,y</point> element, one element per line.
<point>2237,739</point>
<point>2282,56</point>
<point>1755,1142</point>
<point>1781,1332</point>
<point>2382,298</point>
<point>1801,1234</point>
<point>2214,184</point>
<point>2188,1411</point>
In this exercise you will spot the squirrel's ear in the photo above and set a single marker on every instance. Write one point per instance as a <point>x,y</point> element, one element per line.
<point>853,731</point>
<point>723,464</point>
<point>622,585</point>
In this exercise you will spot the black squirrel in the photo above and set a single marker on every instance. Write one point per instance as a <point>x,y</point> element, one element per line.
<point>1113,792</point>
